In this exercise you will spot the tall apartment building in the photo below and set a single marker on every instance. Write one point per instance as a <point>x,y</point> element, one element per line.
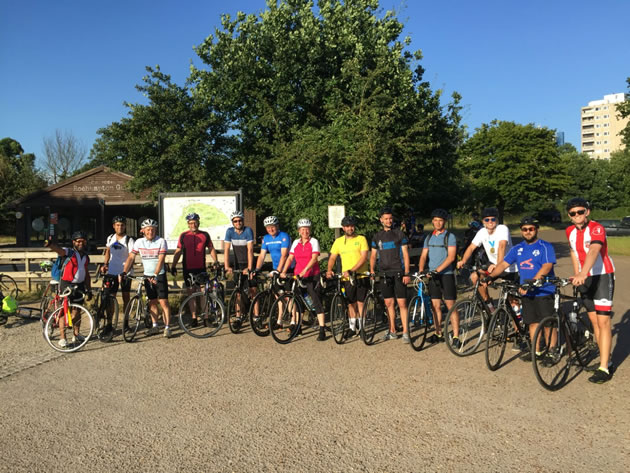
<point>601,126</point>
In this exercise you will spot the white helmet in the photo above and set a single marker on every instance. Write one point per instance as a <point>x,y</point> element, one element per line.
<point>149,222</point>
<point>304,222</point>
<point>236,214</point>
<point>271,220</point>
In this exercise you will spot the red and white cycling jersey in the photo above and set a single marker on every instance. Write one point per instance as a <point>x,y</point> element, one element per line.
<point>580,241</point>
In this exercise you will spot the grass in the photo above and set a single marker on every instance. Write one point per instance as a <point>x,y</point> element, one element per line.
<point>7,239</point>
<point>619,245</point>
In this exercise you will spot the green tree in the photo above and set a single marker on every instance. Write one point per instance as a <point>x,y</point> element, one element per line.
<point>175,143</point>
<point>329,107</point>
<point>515,167</point>
<point>624,112</point>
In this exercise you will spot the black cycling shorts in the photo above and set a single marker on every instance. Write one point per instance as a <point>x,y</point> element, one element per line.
<point>391,286</point>
<point>597,293</point>
<point>536,308</point>
<point>124,287</point>
<point>443,286</point>
<point>194,272</point>
<point>159,290</point>
<point>78,291</point>
<point>357,291</point>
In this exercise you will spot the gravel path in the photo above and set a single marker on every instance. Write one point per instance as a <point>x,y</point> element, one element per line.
<point>243,403</point>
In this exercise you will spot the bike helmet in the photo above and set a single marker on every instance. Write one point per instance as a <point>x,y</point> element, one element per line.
<point>236,214</point>
<point>348,220</point>
<point>578,202</point>
<point>529,221</point>
<point>79,234</point>
<point>192,216</point>
<point>303,222</point>
<point>271,220</point>
<point>149,222</point>
<point>440,213</point>
<point>474,225</point>
<point>119,219</point>
<point>385,210</point>
<point>490,212</point>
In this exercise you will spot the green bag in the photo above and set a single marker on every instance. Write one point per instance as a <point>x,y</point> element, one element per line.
<point>9,305</point>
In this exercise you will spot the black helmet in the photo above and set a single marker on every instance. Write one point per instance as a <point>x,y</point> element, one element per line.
<point>529,221</point>
<point>119,219</point>
<point>578,202</point>
<point>348,220</point>
<point>490,212</point>
<point>439,213</point>
<point>385,210</point>
<point>80,234</point>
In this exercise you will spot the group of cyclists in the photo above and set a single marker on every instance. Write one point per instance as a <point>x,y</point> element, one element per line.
<point>387,255</point>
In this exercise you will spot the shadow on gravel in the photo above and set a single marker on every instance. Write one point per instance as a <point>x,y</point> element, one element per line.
<point>622,348</point>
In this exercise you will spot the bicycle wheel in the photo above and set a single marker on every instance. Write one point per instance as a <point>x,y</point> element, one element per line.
<point>338,317</point>
<point>47,306</point>
<point>285,318</point>
<point>583,338</point>
<point>8,286</point>
<point>552,362</point>
<point>418,323</point>
<point>133,316</point>
<point>260,323</point>
<point>106,310</point>
<point>369,320</point>
<point>76,336</point>
<point>237,310</point>
<point>209,311</point>
<point>497,338</point>
<point>472,327</point>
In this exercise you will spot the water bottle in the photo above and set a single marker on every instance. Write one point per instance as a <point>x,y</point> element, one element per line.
<point>518,309</point>
<point>308,300</point>
<point>573,320</point>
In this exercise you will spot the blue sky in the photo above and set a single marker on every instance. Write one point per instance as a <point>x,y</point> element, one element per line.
<point>70,64</point>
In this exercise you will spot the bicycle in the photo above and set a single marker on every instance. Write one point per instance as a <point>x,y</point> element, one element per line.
<point>273,287</point>
<point>50,298</point>
<point>473,317</point>
<point>208,304</point>
<point>8,286</point>
<point>503,325</point>
<point>105,309</point>
<point>563,341</point>
<point>420,315</point>
<point>373,310</point>
<point>82,325</point>
<point>137,311</point>
<point>339,322</point>
<point>288,312</point>
<point>238,305</point>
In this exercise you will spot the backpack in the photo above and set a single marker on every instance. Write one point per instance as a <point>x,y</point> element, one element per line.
<point>59,265</point>
<point>126,240</point>
<point>427,241</point>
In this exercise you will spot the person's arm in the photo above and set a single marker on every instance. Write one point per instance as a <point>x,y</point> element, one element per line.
<point>544,270</point>
<point>106,257</point>
<point>450,258</point>
<point>361,262</point>
<point>575,262</point>
<point>423,259</point>
<point>129,262</point>
<point>287,266</point>
<point>372,260</point>
<point>52,246</point>
<point>499,268</point>
<point>405,251</point>
<point>250,255</point>
<point>226,256</point>
<point>176,257</point>
<point>331,264</point>
<point>467,254</point>
<point>284,254</point>
<point>159,266</point>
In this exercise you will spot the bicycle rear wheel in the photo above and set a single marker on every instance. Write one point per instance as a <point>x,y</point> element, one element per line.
<point>496,338</point>
<point>418,323</point>
<point>285,318</point>
<point>471,327</point>
<point>133,316</point>
<point>47,306</point>
<point>209,311</point>
<point>76,336</point>
<point>8,286</point>
<point>338,318</point>
<point>106,310</point>
<point>368,320</point>
<point>260,323</point>
<point>236,310</point>
<point>552,360</point>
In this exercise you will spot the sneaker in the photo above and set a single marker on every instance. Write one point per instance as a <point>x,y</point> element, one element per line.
<point>516,345</point>
<point>153,330</point>
<point>457,344</point>
<point>435,338</point>
<point>600,377</point>
<point>405,338</point>
<point>194,322</point>
<point>390,336</point>
<point>167,332</point>
<point>237,324</point>
<point>63,343</point>
<point>349,334</point>
<point>322,334</point>
<point>107,331</point>
<point>78,338</point>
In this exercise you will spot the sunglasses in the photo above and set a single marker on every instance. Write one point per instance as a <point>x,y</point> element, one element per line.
<point>238,220</point>
<point>528,229</point>
<point>577,212</point>
<point>490,219</point>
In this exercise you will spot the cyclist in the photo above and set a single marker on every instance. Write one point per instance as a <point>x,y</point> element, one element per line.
<point>535,259</point>
<point>74,272</point>
<point>117,248</point>
<point>439,252</point>
<point>305,252</point>
<point>192,244</point>
<point>594,274</point>
<point>353,250</point>
<point>152,249</point>
<point>391,247</point>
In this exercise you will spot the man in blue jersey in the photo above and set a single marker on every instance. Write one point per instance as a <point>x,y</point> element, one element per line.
<point>535,259</point>
<point>275,242</point>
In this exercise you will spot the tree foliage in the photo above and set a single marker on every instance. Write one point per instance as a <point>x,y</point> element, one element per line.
<point>64,154</point>
<point>329,107</point>
<point>624,112</point>
<point>515,167</point>
<point>175,142</point>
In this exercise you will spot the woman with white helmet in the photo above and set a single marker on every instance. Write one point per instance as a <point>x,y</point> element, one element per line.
<point>305,252</point>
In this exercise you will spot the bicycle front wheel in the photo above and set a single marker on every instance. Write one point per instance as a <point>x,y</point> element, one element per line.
<point>285,318</point>
<point>133,317</point>
<point>497,338</point>
<point>47,306</point>
<point>368,320</point>
<point>74,337</point>
<point>8,286</point>
<point>418,323</point>
<point>338,318</point>
<point>260,322</point>
<point>106,319</point>
<point>552,352</point>
<point>236,311</point>
<point>468,316</point>
<point>209,315</point>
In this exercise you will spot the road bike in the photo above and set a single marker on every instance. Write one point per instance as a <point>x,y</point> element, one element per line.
<point>77,319</point>
<point>206,304</point>
<point>289,311</point>
<point>262,302</point>
<point>563,342</point>
<point>420,315</point>
<point>105,309</point>
<point>137,311</point>
<point>373,310</point>
<point>238,305</point>
<point>339,321</point>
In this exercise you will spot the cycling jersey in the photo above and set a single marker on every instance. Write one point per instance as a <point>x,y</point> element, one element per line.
<point>490,243</point>
<point>530,258</point>
<point>239,242</point>
<point>75,270</point>
<point>350,250</point>
<point>303,252</point>
<point>581,240</point>
<point>389,246</point>
<point>194,246</point>
<point>150,251</point>
<point>118,253</point>
<point>275,245</point>
<point>438,251</point>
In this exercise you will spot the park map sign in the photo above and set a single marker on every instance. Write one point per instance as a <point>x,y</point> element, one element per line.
<point>214,209</point>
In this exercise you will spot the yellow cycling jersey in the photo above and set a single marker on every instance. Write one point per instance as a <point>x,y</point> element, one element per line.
<point>350,250</point>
